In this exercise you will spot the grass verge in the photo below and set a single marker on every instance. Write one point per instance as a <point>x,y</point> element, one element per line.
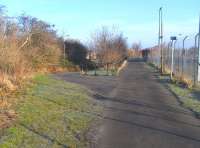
<point>50,113</point>
<point>188,97</point>
<point>102,72</point>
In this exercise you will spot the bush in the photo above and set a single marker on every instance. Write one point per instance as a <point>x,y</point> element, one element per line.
<point>26,45</point>
<point>110,46</point>
<point>76,52</point>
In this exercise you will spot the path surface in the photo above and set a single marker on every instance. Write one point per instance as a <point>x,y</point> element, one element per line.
<point>139,112</point>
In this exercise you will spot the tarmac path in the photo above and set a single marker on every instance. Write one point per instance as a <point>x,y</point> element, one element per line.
<point>139,111</point>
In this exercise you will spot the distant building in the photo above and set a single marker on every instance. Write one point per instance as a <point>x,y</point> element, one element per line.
<point>134,53</point>
<point>91,55</point>
<point>145,53</point>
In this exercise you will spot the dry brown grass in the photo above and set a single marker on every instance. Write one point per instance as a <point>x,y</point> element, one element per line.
<point>23,52</point>
<point>24,49</point>
<point>110,45</point>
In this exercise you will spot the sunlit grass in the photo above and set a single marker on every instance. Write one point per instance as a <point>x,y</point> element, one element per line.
<point>51,113</point>
<point>184,92</point>
<point>102,72</point>
<point>188,100</point>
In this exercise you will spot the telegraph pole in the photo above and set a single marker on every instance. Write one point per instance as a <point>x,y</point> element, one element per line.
<point>199,53</point>
<point>159,30</point>
<point>173,40</point>
<point>183,53</point>
<point>160,38</point>
<point>195,61</point>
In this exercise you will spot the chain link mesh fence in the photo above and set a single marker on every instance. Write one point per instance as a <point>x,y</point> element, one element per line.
<point>185,58</point>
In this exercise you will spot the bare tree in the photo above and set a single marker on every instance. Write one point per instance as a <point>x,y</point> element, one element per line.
<point>26,44</point>
<point>110,46</point>
<point>136,46</point>
<point>38,40</point>
<point>135,49</point>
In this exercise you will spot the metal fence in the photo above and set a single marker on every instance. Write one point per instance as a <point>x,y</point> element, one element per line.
<point>185,61</point>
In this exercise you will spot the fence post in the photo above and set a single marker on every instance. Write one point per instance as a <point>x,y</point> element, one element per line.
<point>183,54</point>
<point>169,54</point>
<point>173,40</point>
<point>172,60</point>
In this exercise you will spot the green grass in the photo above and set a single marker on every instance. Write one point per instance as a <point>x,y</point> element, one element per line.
<point>188,100</point>
<point>102,72</point>
<point>185,94</point>
<point>50,113</point>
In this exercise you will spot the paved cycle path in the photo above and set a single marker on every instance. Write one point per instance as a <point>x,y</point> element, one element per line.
<point>139,111</point>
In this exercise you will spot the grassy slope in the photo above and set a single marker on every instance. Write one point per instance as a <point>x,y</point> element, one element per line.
<point>51,113</point>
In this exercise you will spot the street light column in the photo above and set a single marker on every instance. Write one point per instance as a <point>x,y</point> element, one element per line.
<point>199,53</point>
<point>160,38</point>
<point>172,61</point>
<point>195,60</point>
<point>169,53</point>
<point>183,53</point>
<point>173,41</point>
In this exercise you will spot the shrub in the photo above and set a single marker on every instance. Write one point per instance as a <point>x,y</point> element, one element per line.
<point>26,45</point>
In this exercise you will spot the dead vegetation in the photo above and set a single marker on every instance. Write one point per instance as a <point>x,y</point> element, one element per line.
<point>110,47</point>
<point>27,44</point>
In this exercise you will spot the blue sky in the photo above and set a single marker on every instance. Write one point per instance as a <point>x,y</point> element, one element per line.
<point>137,19</point>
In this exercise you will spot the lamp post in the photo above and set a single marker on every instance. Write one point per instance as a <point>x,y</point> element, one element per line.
<point>174,52</point>
<point>178,52</point>
<point>199,53</point>
<point>194,57</point>
<point>160,38</point>
<point>183,53</point>
<point>174,40</point>
<point>168,54</point>
<point>196,37</point>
